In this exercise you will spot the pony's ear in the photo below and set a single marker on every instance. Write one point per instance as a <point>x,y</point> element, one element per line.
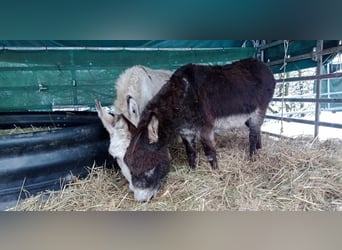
<point>108,120</point>
<point>152,130</point>
<point>133,109</point>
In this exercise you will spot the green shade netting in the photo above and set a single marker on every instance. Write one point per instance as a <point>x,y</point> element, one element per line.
<point>48,79</point>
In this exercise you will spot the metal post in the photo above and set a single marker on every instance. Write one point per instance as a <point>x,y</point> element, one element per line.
<point>319,49</point>
<point>328,84</point>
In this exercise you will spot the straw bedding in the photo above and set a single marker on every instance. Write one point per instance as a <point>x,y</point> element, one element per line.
<point>286,175</point>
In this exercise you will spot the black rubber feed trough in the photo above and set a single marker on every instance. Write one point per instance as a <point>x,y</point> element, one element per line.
<point>36,161</point>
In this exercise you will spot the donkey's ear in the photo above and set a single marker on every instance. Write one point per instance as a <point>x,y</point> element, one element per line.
<point>152,130</point>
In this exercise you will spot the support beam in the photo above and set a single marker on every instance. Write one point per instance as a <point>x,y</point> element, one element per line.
<point>309,55</point>
<point>270,45</point>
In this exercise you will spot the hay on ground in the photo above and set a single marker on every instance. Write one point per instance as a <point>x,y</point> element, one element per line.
<point>286,175</point>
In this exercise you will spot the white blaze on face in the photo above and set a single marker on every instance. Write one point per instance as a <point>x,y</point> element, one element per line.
<point>144,194</point>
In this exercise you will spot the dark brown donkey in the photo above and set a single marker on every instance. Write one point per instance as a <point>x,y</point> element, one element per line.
<point>195,102</point>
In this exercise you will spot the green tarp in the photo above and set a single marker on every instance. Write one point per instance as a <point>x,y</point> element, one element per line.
<point>50,79</point>
<point>48,74</point>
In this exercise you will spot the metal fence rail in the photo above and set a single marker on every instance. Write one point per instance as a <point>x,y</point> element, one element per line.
<point>288,119</point>
<point>316,55</point>
<point>291,99</point>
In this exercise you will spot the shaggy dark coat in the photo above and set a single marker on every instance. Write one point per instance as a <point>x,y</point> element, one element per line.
<point>193,103</point>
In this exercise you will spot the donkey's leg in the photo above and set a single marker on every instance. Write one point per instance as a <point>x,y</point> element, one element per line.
<point>208,143</point>
<point>254,140</point>
<point>189,140</point>
<point>254,125</point>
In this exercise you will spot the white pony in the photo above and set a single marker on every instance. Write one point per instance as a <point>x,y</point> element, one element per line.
<point>134,88</point>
